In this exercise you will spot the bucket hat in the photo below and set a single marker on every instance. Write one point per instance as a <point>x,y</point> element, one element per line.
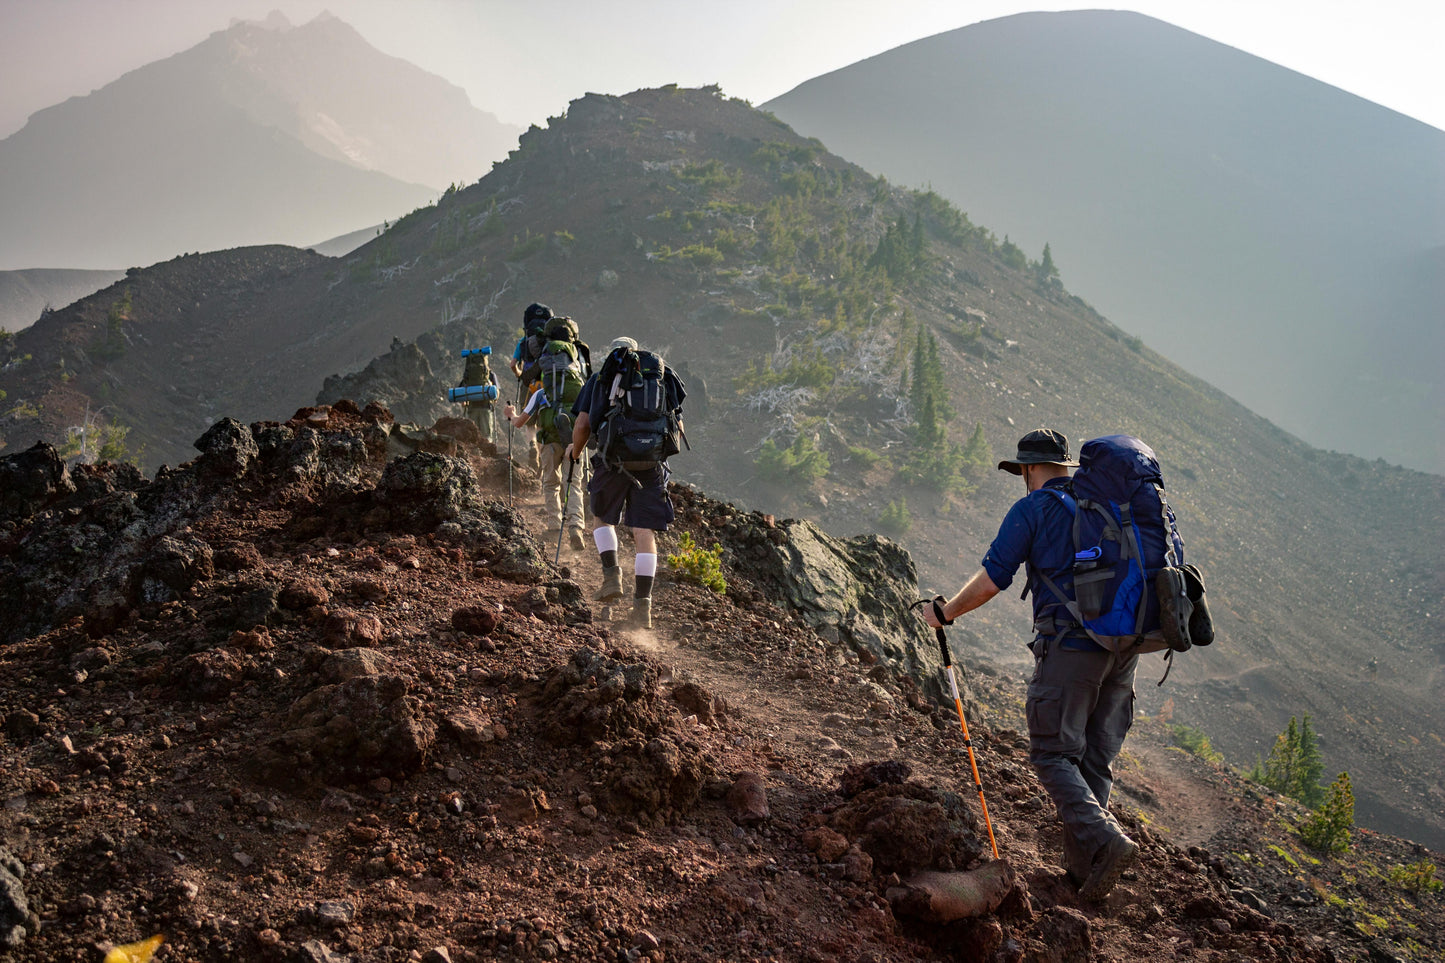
<point>1042,446</point>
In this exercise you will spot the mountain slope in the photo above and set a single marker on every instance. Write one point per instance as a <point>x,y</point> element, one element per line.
<point>1245,220</point>
<point>708,229</point>
<point>257,135</point>
<point>303,700</point>
<point>25,294</point>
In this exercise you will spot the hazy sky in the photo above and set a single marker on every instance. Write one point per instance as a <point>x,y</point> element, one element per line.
<point>524,60</point>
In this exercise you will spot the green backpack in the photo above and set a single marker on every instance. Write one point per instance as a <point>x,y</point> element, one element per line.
<point>561,378</point>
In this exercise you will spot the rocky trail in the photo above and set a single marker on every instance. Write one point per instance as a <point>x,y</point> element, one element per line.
<point>299,701</point>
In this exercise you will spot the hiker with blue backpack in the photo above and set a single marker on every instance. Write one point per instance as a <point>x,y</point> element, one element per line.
<point>631,412</point>
<point>1101,553</point>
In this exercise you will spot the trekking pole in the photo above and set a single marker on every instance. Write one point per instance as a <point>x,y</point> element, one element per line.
<point>937,603</point>
<point>509,447</point>
<point>566,494</point>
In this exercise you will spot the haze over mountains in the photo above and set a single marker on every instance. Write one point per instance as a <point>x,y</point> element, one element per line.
<point>262,133</point>
<point>1279,237</point>
<point>752,259</point>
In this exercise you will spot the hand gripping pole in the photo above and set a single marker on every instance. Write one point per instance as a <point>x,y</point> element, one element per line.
<point>937,603</point>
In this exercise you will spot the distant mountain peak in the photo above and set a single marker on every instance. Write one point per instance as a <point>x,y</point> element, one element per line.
<point>311,130</point>
<point>275,20</point>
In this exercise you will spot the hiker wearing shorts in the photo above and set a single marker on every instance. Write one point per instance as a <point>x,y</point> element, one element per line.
<point>1081,698</point>
<point>624,491</point>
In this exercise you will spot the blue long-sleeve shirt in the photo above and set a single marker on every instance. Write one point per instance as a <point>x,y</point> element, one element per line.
<point>1038,532</point>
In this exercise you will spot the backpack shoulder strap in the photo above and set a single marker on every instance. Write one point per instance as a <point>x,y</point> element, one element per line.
<point>1066,498</point>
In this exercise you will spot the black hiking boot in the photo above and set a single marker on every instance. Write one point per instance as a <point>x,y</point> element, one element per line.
<point>1109,864</point>
<point>1076,860</point>
<point>611,585</point>
<point>641,617</point>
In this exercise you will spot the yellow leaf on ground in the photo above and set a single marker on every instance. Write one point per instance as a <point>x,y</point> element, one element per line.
<point>134,952</point>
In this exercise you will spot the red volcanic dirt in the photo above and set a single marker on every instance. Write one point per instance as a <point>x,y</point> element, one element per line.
<point>355,741</point>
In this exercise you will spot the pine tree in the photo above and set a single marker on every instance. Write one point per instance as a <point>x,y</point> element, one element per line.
<point>1048,271</point>
<point>1279,770</point>
<point>1309,766</point>
<point>1294,765</point>
<point>977,456</point>
<point>919,388</point>
<point>1328,828</point>
<point>930,432</point>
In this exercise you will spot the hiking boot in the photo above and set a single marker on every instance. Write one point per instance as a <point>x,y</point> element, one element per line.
<point>1076,860</point>
<point>641,617</point>
<point>578,540</point>
<point>1201,623</point>
<point>611,585</point>
<point>1109,864</point>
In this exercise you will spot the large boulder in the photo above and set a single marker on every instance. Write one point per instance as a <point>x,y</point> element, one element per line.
<point>16,919</point>
<point>32,480</point>
<point>861,588</point>
<point>357,730</point>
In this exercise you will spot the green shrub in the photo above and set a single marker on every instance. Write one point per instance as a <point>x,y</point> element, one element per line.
<point>895,518</point>
<point>701,255</point>
<point>1328,828</point>
<point>865,456</point>
<point>808,368</point>
<point>711,175</point>
<point>1416,877</point>
<point>1195,742</point>
<point>938,467</point>
<point>977,455</point>
<point>525,248</point>
<point>1013,255</point>
<point>698,565</point>
<point>802,461</point>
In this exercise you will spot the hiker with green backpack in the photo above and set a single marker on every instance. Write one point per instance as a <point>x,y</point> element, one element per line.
<point>480,404</point>
<point>560,372</point>
<point>1105,565</point>
<point>535,317</point>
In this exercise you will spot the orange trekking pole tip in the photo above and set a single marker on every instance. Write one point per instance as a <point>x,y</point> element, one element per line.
<point>937,603</point>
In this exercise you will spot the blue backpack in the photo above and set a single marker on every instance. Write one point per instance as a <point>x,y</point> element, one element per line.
<point>1128,556</point>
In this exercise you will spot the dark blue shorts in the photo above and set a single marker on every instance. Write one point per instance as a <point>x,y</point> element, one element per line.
<point>617,501</point>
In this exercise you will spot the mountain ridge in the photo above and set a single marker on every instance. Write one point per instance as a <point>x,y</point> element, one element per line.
<point>713,232</point>
<point>1239,216</point>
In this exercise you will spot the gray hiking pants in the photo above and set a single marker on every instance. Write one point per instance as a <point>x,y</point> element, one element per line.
<point>1080,706</point>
